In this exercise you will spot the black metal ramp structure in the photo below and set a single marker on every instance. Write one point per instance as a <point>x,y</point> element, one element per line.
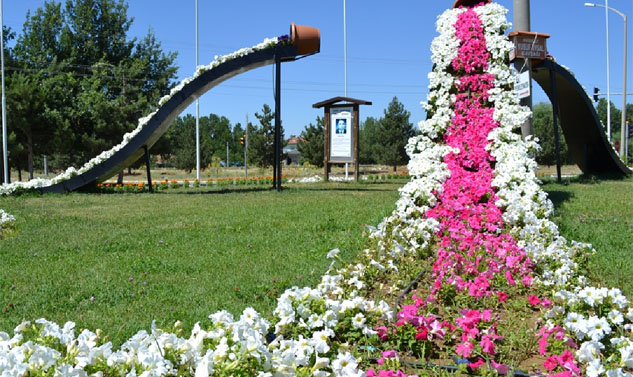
<point>584,134</point>
<point>160,122</point>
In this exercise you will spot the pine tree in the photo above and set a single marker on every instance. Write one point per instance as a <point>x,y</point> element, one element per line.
<point>368,140</point>
<point>394,131</point>
<point>261,139</point>
<point>311,143</point>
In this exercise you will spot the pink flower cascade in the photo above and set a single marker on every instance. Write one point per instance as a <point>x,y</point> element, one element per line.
<point>473,249</point>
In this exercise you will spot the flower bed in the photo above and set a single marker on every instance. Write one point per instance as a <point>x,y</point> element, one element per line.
<point>476,273</point>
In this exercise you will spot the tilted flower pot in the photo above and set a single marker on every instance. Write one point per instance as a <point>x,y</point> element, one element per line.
<point>307,39</point>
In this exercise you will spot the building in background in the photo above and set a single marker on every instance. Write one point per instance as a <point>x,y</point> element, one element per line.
<point>291,152</point>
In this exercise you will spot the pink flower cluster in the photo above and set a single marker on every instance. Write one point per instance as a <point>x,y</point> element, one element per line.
<point>472,55</point>
<point>386,357</point>
<point>473,249</point>
<point>427,327</point>
<point>476,327</point>
<point>565,363</point>
<point>388,373</point>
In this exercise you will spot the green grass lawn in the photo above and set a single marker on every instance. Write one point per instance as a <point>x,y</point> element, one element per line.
<point>175,255</point>
<point>183,254</point>
<point>599,212</point>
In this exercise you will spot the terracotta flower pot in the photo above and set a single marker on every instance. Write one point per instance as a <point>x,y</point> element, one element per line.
<point>468,3</point>
<point>307,39</point>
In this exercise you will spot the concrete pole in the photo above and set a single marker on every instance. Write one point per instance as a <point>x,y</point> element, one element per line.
<point>522,23</point>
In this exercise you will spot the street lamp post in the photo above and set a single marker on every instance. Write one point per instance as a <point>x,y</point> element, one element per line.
<point>623,129</point>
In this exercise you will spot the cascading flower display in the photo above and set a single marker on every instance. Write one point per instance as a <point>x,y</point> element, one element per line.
<point>10,188</point>
<point>472,248</point>
<point>491,231</point>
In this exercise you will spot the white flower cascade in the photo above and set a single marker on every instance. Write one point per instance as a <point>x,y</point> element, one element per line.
<point>8,189</point>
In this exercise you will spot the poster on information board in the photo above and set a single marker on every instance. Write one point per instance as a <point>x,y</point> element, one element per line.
<point>341,135</point>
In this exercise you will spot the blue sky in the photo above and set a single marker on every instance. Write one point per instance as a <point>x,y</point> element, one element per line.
<point>388,48</point>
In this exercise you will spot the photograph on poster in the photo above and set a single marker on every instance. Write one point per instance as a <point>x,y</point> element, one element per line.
<point>341,134</point>
<point>341,126</point>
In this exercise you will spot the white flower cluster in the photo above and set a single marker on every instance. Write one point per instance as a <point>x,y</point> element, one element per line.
<point>601,320</point>
<point>8,189</point>
<point>313,179</point>
<point>6,219</point>
<point>310,337</point>
<point>56,351</point>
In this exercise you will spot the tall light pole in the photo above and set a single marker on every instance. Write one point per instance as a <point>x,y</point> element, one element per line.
<point>197,108</point>
<point>345,61</point>
<point>345,42</point>
<point>5,156</point>
<point>606,16</point>
<point>623,129</point>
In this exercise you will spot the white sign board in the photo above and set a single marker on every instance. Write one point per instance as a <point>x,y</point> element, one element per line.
<point>341,134</point>
<point>522,84</point>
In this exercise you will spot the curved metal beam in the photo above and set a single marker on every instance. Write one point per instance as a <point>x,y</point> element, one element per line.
<point>163,118</point>
<point>585,137</point>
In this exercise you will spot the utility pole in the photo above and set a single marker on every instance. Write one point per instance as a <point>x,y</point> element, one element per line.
<point>228,163</point>
<point>522,23</point>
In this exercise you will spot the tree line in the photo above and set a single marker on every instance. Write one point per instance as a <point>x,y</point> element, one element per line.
<point>76,82</point>
<point>177,146</point>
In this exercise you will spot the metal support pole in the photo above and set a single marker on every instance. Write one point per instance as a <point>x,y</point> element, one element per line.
<point>5,154</point>
<point>149,173</point>
<point>277,181</point>
<point>552,83</point>
<point>46,165</point>
<point>197,108</point>
<point>623,122</point>
<point>522,23</point>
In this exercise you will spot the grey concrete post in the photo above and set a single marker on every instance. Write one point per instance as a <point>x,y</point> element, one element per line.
<point>522,23</point>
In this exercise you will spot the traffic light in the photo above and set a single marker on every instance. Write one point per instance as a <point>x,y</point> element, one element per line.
<point>242,140</point>
<point>595,94</point>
